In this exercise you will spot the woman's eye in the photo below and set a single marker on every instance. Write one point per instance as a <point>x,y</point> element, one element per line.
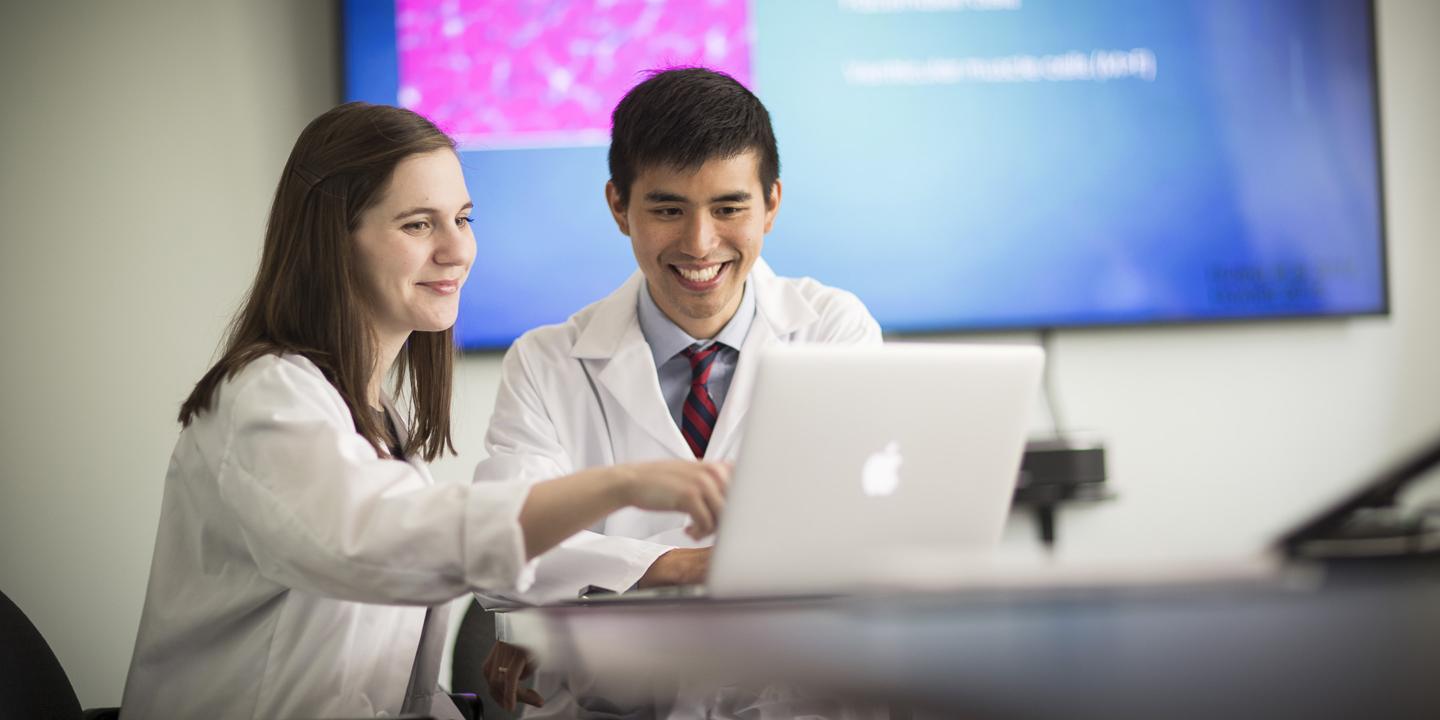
<point>463,221</point>
<point>417,226</point>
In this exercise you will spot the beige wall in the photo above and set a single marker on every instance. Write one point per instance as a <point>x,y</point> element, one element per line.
<point>141,143</point>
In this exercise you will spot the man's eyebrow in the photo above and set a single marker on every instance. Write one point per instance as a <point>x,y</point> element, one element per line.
<point>661,196</point>
<point>738,196</point>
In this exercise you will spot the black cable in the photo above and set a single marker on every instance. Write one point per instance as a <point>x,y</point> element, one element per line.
<point>1057,423</point>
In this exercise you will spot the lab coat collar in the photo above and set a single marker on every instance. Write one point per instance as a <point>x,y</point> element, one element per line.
<point>610,323</point>
<point>780,312</point>
<point>666,339</point>
<point>784,308</point>
<point>608,331</point>
<point>613,346</point>
<point>402,431</point>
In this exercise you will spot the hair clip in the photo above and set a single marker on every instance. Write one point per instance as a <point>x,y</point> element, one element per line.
<point>307,176</point>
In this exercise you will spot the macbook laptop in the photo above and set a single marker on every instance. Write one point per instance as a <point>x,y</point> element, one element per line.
<point>855,457</point>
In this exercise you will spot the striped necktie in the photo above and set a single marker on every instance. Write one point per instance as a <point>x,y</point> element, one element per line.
<point>697,419</point>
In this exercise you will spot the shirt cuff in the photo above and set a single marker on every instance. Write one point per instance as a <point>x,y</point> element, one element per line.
<point>587,558</point>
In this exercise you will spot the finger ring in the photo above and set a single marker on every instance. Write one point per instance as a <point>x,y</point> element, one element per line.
<point>503,670</point>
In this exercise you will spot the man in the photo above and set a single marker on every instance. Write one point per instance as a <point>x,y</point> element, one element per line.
<point>662,368</point>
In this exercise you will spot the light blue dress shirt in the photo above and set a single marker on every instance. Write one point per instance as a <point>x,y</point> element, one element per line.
<point>667,340</point>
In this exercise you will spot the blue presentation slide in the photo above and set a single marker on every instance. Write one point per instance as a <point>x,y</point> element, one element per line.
<point>957,164</point>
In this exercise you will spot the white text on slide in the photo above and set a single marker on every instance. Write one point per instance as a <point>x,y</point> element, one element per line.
<point>899,6</point>
<point>1098,65</point>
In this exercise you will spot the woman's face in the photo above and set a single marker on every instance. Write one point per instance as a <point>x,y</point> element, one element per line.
<point>415,245</point>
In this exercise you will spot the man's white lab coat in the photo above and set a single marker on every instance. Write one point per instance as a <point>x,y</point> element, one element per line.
<point>586,393</point>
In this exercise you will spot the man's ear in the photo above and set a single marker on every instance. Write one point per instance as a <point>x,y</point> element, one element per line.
<point>617,209</point>
<point>773,206</point>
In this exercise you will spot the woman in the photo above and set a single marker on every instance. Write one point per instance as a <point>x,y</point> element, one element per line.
<point>300,537</point>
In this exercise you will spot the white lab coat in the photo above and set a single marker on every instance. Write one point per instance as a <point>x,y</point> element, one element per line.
<point>293,565</point>
<point>586,393</point>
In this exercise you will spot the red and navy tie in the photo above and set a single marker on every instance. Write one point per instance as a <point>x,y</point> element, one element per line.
<point>697,419</point>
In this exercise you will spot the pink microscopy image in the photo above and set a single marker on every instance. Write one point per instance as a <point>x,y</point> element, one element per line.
<point>547,73</point>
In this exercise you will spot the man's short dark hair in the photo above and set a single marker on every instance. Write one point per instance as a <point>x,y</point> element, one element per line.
<point>684,117</point>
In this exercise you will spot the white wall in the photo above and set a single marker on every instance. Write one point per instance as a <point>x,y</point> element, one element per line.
<point>139,149</point>
<point>141,144</point>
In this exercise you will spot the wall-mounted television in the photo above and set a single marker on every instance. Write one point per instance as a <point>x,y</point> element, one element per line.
<point>961,165</point>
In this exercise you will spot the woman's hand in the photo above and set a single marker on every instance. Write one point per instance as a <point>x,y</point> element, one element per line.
<point>688,486</point>
<point>560,507</point>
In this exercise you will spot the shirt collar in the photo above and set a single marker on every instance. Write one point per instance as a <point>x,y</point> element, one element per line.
<point>666,339</point>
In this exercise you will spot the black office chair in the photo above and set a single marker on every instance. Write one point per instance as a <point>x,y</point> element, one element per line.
<point>32,683</point>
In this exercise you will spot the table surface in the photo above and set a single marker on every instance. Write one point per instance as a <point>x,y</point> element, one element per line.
<point>1359,643</point>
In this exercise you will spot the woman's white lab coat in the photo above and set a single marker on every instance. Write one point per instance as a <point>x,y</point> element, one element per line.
<point>293,565</point>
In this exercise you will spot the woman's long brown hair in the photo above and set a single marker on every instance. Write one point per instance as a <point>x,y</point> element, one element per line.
<point>307,297</point>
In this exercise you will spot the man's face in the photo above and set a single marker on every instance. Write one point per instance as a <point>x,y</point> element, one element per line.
<point>696,235</point>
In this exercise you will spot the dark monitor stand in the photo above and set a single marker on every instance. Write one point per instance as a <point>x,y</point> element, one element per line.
<point>1058,471</point>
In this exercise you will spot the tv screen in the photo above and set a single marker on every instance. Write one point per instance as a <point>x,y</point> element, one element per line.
<point>960,165</point>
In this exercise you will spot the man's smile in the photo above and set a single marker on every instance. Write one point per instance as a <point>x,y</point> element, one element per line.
<point>700,277</point>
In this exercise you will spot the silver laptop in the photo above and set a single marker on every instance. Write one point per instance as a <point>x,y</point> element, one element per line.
<point>857,458</point>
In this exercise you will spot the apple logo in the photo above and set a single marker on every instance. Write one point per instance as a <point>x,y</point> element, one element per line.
<point>881,473</point>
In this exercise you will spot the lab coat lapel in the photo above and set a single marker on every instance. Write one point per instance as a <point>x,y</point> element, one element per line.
<point>425,669</point>
<point>737,399</point>
<point>615,353</point>
<point>631,379</point>
<point>780,311</point>
<point>403,431</point>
